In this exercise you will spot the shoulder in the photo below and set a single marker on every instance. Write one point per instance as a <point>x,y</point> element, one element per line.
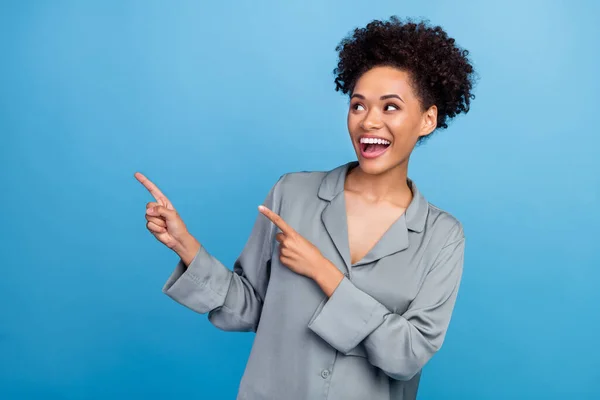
<point>300,183</point>
<point>443,227</point>
<point>304,178</point>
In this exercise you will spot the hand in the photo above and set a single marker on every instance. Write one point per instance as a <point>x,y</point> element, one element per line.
<point>165,223</point>
<point>296,253</point>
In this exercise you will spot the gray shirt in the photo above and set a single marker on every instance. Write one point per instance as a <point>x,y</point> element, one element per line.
<point>370,339</point>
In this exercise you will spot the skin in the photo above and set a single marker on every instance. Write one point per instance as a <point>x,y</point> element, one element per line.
<point>383,103</point>
<point>400,120</point>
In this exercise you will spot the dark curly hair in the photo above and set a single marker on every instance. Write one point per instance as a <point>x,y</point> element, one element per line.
<point>440,71</point>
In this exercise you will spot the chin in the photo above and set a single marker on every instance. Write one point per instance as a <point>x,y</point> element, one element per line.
<point>375,166</point>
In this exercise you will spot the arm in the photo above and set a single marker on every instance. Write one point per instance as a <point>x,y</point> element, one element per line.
<point>400,345</point>
<point>233,299</point>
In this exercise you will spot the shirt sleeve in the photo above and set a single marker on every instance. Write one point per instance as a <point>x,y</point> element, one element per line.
<point>232,299</point>
<point>400,345</point>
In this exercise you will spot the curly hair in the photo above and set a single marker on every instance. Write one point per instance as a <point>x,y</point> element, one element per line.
<point>440,71</point>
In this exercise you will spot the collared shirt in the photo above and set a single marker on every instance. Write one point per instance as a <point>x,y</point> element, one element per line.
<point>371,338</point>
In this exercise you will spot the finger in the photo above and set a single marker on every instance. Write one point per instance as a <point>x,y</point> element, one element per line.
<point>161,211</point>
<point>157,221</point>
<point>154,204</point>
<point>277,220</point>
<point>285,260</point>
<point>152,188</point>
<point>152,227</point>
<point>279,237</point>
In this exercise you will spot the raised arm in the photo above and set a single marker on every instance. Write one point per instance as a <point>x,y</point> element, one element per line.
<point>202,283</point>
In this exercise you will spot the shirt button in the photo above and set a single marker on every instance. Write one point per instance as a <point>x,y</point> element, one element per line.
<point>325,373</point>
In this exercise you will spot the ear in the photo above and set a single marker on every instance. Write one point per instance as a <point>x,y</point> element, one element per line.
<point>429,122</point>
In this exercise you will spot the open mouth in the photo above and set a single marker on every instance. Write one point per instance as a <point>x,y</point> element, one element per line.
<point>371,147</point>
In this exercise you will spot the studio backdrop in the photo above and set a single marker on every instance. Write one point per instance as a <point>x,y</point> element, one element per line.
<point>214,101</point>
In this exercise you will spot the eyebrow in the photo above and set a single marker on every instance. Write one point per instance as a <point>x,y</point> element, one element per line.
<point>384,97</point>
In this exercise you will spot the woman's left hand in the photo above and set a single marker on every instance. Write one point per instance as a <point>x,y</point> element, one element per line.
<point>296,252</point>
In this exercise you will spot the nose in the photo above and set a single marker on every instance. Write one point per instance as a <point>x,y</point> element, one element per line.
<point>372,121</point>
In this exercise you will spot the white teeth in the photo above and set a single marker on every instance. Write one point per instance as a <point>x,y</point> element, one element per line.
<point>374,141</point>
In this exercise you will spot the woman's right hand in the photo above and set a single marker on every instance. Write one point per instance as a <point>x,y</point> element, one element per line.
<point>164,222</point>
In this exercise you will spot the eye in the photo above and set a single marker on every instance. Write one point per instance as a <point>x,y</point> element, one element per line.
<point>394,107</point>
<point>358,107</point>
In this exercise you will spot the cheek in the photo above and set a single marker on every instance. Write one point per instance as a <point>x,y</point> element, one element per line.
<point>403,125</point>
<point>405,132</point>
<point>353,122</point>
<point>351,119</point>
<point>399,126</point>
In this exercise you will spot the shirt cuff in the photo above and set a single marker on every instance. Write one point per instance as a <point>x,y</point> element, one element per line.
<point>347,317</point>
<point>202,286</point>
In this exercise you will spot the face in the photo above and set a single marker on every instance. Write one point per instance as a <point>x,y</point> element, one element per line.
<point>386,119</point>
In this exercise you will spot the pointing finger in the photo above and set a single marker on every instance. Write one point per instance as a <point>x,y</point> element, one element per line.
<point>277,220</point>
<point>152,188</point>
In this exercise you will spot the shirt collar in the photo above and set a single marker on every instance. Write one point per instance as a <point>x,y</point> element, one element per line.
<point>333,184</point>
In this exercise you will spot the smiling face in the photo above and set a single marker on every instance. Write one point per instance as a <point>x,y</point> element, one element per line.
<point>386,119</point>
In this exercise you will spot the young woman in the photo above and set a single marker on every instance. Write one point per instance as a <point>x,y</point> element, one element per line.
<point>350,276</point>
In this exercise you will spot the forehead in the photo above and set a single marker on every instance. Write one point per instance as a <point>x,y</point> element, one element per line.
<point>379,81</point>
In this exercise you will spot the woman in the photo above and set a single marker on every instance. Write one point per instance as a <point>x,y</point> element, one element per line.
<point>350,276</point>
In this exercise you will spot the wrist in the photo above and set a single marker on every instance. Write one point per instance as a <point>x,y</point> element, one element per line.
<point>187,249</point>
<point>328,277</point>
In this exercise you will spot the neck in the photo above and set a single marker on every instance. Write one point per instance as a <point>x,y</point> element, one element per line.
<point>389,186</point>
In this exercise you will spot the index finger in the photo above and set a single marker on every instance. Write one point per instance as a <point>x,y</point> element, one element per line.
<point>277,220</point>
<point>154,191</point>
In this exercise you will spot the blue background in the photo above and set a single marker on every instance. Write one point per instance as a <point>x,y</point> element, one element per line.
<point>214,102</point>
